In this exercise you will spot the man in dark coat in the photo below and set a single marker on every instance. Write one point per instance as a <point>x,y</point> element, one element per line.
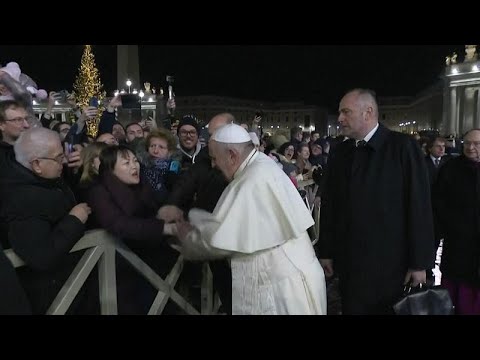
<point>436,158</point>
<point>456,199</point>
<point>376,218</point>
<point>42,218</point>
<point>13,121</point>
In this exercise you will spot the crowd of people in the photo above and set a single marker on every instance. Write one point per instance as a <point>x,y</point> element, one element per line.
<point>235,201</point>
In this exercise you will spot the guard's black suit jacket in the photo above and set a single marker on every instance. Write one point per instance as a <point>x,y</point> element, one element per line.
<point>376,219</point>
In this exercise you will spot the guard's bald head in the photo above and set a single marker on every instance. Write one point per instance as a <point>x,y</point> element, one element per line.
<point>366,98</point>
<point>220,120</point>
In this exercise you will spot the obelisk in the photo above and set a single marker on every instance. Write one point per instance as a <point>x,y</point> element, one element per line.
<point>128,67</point>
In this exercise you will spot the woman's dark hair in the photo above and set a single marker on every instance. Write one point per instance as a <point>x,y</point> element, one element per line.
<point>108,157</point>
<point>283,147</point>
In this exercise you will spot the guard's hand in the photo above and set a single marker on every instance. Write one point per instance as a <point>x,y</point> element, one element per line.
<point>416,277</point>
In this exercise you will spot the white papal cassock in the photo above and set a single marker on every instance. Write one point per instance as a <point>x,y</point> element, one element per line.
<point>261,223</point>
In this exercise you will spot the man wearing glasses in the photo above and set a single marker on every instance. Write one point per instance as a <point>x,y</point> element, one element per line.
<point>13,121</point>
<point>456,202</point>
<point>188,146</point>
<point>42,219</point>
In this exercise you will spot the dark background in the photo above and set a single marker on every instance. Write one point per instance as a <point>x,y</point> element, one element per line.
<point>315,74</point>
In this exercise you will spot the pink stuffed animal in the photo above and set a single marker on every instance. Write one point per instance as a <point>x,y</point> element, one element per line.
<point>20,87</point>
<point>13,69</point>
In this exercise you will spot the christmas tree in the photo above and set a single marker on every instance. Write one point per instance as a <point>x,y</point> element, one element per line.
<point>88,85</point>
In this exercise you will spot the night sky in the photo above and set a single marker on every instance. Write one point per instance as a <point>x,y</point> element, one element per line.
<point>315,74</point>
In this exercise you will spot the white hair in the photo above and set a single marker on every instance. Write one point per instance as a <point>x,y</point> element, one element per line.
<point>34,143</point>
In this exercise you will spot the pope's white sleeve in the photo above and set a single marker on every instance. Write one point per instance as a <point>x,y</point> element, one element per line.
<point>195,247</point>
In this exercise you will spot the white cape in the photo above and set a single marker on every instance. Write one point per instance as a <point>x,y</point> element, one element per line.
<point>260,209</point>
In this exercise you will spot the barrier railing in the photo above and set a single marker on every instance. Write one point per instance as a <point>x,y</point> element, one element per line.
<point>101,249</point>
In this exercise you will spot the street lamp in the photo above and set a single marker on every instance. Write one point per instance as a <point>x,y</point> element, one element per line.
<point>129,83</point>
<point>116,93</point>
<point>141,94</point>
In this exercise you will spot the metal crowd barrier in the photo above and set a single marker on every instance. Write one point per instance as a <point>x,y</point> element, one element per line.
<point>101,249</point>
<point>311,190</point>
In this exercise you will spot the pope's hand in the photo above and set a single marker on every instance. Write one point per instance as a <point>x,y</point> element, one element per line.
<point>183,228</point>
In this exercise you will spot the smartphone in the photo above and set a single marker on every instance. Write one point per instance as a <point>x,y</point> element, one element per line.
<point>174,167</point>
<point>68,149</point>
<point>93,102</point>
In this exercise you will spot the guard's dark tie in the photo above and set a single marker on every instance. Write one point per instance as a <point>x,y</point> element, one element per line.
<point>437,162</point>
<point>361,143</point>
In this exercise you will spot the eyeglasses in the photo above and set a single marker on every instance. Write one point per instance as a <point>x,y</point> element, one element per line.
<point>185,133</point>
<point>19,120</point>
<point>474,143</point>
<point>59,159</point>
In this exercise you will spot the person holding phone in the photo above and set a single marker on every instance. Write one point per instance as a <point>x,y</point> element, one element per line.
<point>43,220</point>
<point>158,169</point>
<point>93,102</point>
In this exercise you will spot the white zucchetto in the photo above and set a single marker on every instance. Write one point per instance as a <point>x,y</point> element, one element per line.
<point>231,134</point>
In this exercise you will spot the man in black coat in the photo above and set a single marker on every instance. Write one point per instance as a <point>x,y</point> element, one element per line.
<point>456,199</point>
<point>42,218</point>
<point>201,187</point>
<point>376,219</point>
<point>436,158</point>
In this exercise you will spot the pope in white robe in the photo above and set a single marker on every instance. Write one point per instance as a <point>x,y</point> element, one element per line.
<point>260,223</point>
